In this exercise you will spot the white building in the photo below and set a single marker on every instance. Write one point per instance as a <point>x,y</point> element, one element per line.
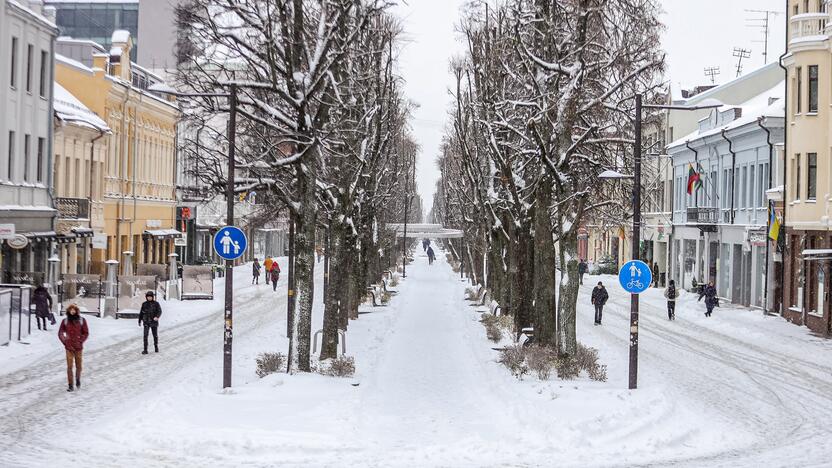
<point>27,37</point>
<point>719,231</point>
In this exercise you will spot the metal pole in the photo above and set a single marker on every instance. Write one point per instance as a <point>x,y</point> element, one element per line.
<point>404,239</point>
<point>635,247</point>
<point>290,302</point>
<point>229,221</point>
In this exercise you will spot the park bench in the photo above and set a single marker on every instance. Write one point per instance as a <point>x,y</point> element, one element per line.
<point>388,290</point>
<point>375,291</point>
<point>342,339</point>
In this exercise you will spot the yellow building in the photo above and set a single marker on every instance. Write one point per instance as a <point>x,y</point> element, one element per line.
<point>80,149</point>
<point>808,176</point>
<point>139,193</point>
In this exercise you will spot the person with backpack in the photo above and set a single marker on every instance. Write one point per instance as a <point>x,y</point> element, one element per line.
<point>711,299</point>
<point>73,332</point>
<point>671,293</point>
<point>255,272</point>
<point>149,317</point>
<point>275,274</point>
<point>582,267</point>
<point>267,266</point>
<point>43,306</point>
<point>431,255</point>
<point>599,298</point>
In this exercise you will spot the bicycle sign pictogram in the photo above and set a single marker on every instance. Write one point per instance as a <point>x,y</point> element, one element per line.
<point>635,277</point>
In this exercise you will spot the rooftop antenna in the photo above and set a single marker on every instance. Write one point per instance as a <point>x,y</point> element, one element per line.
<point>712,72</point>
<point>741,53</point>
<point>760,19</point>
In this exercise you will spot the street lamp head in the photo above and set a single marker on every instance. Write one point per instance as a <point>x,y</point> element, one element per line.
<point>708,103</point>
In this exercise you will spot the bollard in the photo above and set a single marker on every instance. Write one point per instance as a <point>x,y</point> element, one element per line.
<point>111,289</point>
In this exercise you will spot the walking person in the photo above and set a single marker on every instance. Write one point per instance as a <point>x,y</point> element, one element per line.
<point>711,300</point>
<point>599,298</point>
<point>255,272</point>
<point>431,255</point>
<point>267,266</point>
<point>275,275</point>
<point>149,317</point>
<point>43,306</point>
<point>73,332</point>
<point>671,293</point>
<point>582,267</point>
<point>655,275</point>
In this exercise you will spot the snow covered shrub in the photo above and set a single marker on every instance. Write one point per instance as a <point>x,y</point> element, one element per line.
<point>342,366</point>
<point>385,297</point>
<point>471,294</point>
<point>587,359</point>
<point>541,360</point>
<point>270,363</point>
<point>394,281</point>
<point>568,368</point>
<point>606,266</point>
<point>496,326</point>
<point>514,358</point>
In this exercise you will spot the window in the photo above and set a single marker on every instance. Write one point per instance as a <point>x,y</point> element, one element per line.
<point>13,81</point>
<point>797,176</point>
<point>798,92</point>
<point>812,176</point>
<point>714,184</point>
<point>794,10</point>
<point>752,194</point>
<point>29,50</point>
<point>813,88</point>
<point>26,140</point>
<point>41,144</point>
<point>10,166</point>
<point>805,6</point>
<point>44,62</point>
<point>743,188</point>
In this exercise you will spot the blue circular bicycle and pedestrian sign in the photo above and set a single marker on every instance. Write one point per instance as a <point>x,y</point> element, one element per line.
<point>635,277</point>
<point>230,243</point>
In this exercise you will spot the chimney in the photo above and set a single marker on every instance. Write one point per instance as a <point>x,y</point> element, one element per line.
<point>122,43</point>
<point>50,13</point>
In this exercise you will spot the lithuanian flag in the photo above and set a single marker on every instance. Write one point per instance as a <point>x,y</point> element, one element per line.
<point>694,180</point>
<point>774,227</point>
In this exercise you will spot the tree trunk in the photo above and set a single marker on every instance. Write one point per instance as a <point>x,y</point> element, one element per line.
<point>545,313</point>
<point>305,261</point>
<point>568,300</point>
<point>329,344</point>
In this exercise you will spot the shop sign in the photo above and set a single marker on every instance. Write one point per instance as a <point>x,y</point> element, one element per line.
<point>19,241</point>
<point>7,231</point>
<point>757,238</point>
<point>99,241</point>
<point>181,241</point>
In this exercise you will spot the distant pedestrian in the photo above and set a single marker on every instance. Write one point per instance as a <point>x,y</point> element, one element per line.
<point>599,298</point>
<point>671,293</point>
<point>73,332</point>
<point>149,317</point>
<point>255,272</point>
<point>431,255</point>
<point>275,275</point>
<point>711,299</point>
<point>655,275</point>
<point>582,267</point>
<point>267,266</point>
<point>425,244</point>
<point>43,306</point>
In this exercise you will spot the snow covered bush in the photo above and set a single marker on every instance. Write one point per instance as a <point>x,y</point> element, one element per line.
<point>471,294</point>
<point>394,280</point>
<point>568,368</point>
<point>342,366</point>
<point>541,360</point>
<point>270,363</point>
<point>496,326</point>
<point>385,297</point>
<point>514,358</point>
<point>587,359</point>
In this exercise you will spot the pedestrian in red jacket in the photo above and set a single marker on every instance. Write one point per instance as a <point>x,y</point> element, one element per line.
<point>73,333</point>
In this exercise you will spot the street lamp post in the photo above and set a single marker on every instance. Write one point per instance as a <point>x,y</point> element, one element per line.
<point>636,236</point>
<point>228,324</point>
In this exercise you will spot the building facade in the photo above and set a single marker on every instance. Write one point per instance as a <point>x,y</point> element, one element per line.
<point>139,179</point>
<point>808,181</point>
<point>720,229</point>
<point>96,20</point>
<point>27,37</point>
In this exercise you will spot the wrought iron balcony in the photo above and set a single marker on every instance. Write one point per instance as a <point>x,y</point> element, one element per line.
<point>703,215</point>
<point>72,208</point>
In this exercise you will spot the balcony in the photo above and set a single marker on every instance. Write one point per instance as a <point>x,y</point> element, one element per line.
<point>703,215</point>
<point>807,26</point>
<point>72,208</point>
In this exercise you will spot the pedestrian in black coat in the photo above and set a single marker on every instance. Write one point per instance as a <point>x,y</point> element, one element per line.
<point>671,293</point>
<point>711,299</point>
<point>582,267</point>
<point>599,298</point>
<point>431,256</point>
<point>149,317</point>
<point>43,305</point>
<point>255,272</point>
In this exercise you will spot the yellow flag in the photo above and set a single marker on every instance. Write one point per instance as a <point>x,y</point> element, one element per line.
<point>774,231</point>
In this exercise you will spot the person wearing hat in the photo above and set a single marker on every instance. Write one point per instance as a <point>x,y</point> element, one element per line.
<point>149,316</point>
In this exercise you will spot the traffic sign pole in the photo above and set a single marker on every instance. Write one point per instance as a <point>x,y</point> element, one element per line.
<point>228,322</point>
<point>636,244</point>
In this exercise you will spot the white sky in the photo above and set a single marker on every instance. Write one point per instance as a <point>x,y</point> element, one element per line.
<point>699,34</point>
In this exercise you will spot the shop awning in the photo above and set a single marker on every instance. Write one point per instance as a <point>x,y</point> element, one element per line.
<point>41,236</point>
<point>66,239</point>
<point>817,254</point>
<point>163,233</point>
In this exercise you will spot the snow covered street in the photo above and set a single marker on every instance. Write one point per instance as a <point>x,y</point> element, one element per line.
<point>737,389</point>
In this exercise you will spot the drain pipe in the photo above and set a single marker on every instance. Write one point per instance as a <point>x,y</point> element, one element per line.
<point>768,211</point>
<point>733,171</point>
<point>785,161</point>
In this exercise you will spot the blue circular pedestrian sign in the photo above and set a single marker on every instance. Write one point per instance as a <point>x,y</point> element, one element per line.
<point>230,243</point>
<point>635,277</point>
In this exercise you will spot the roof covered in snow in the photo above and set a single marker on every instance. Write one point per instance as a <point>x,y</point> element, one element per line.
<point>69,109</point>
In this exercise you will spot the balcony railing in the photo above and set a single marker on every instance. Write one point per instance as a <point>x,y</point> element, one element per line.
<point>703,215</point>
<point>808,25</point>
<point>73,208</point>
